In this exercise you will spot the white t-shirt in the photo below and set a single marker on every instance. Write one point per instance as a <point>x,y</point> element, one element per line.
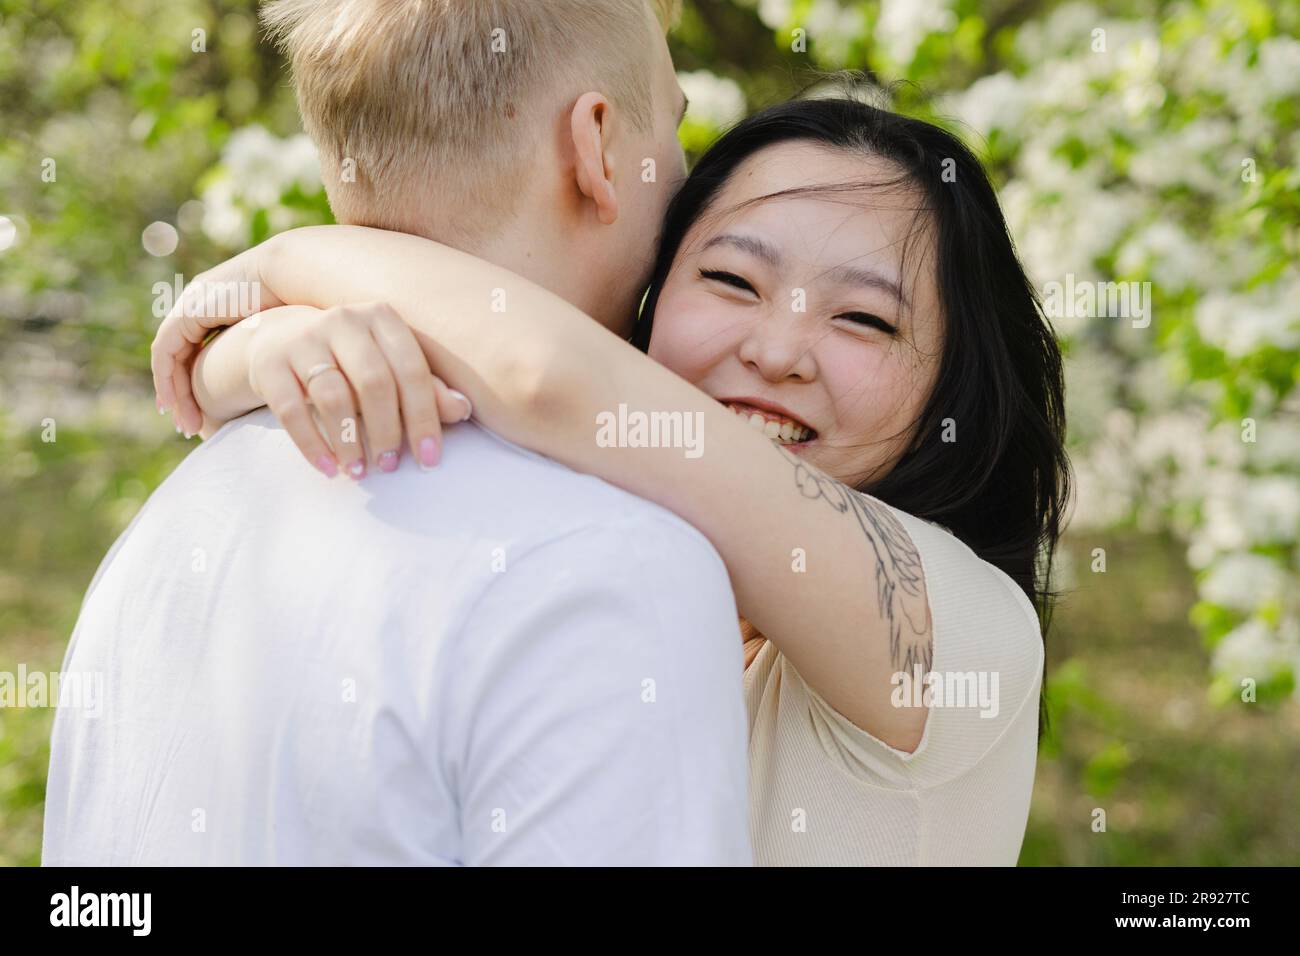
<point>499,661</point>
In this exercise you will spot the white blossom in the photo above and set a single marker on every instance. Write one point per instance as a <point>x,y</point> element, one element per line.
<point>714,100</point>
<point>1244,581</point>
<point>1254,650</point>
<point>903,24</point>
<point>998,101</point>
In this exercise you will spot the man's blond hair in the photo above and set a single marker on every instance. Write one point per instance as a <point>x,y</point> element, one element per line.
<point>430,109</point>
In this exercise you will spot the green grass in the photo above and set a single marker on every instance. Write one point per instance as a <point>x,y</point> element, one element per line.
<point>1182,782</point>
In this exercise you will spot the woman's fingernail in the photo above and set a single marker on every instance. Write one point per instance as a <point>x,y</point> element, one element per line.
<point>469,408</point>
<point>357,470</point>
<point>178,430</point>
<point>326,464</point>
<point>162,409</point>
<point>429,452</point>
<point>388,461</point>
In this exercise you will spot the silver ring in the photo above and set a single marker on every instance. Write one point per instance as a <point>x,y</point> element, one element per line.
<point>320,369</point>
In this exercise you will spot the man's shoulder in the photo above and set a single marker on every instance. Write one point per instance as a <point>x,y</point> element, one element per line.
<point>569,502</point>
<point>484,486</point>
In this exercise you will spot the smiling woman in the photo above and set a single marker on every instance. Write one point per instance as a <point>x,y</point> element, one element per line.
<point>805,305</point>
<point>796,275</point>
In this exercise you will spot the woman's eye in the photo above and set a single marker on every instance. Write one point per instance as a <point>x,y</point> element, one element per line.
<point>866,318</point>
<point>729,278</point>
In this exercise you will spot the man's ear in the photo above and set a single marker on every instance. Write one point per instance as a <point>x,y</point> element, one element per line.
<point>589,125</point>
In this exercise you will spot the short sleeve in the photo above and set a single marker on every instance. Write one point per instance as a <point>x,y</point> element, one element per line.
<point>986,676</point>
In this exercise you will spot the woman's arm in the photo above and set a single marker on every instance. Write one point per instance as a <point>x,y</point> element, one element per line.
<point>221,380</point>
<point>825,573</point>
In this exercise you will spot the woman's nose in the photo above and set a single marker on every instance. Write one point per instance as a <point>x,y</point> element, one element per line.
<point>778,348</point>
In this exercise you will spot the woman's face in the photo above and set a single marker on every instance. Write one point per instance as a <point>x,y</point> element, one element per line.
<point>800,312</point>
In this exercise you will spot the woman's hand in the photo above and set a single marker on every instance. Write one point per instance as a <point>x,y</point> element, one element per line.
<point>220,297</point>
<point>345,360</point>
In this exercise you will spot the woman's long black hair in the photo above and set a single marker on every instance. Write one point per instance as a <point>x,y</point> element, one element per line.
<point>1001,482</point>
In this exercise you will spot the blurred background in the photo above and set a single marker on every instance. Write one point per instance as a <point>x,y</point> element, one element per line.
<point>144,140</point>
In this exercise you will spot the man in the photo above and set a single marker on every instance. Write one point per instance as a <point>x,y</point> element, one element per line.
<point>495,662</point>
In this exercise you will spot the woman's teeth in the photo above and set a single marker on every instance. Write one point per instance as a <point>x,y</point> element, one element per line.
<point>781,430</point>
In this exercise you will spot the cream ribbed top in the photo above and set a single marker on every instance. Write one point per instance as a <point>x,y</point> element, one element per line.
<point>824,792</point>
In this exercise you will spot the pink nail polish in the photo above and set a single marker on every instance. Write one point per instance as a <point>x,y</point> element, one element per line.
<point>429,452</point>
<point>357,470</point>
<point>388,461</point>
<point>326,464</point>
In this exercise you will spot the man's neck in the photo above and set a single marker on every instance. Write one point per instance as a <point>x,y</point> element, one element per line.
<point>534,250</point>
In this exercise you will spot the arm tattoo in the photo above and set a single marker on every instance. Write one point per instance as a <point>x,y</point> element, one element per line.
<point>900,579</point>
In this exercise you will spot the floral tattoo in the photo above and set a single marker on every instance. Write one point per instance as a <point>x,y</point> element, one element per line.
<point>900,578</point>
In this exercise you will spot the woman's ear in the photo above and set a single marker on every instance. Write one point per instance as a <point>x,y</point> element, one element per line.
<point>589,126</point>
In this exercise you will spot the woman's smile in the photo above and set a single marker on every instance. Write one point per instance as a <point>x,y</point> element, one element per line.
<point>774,421</point>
